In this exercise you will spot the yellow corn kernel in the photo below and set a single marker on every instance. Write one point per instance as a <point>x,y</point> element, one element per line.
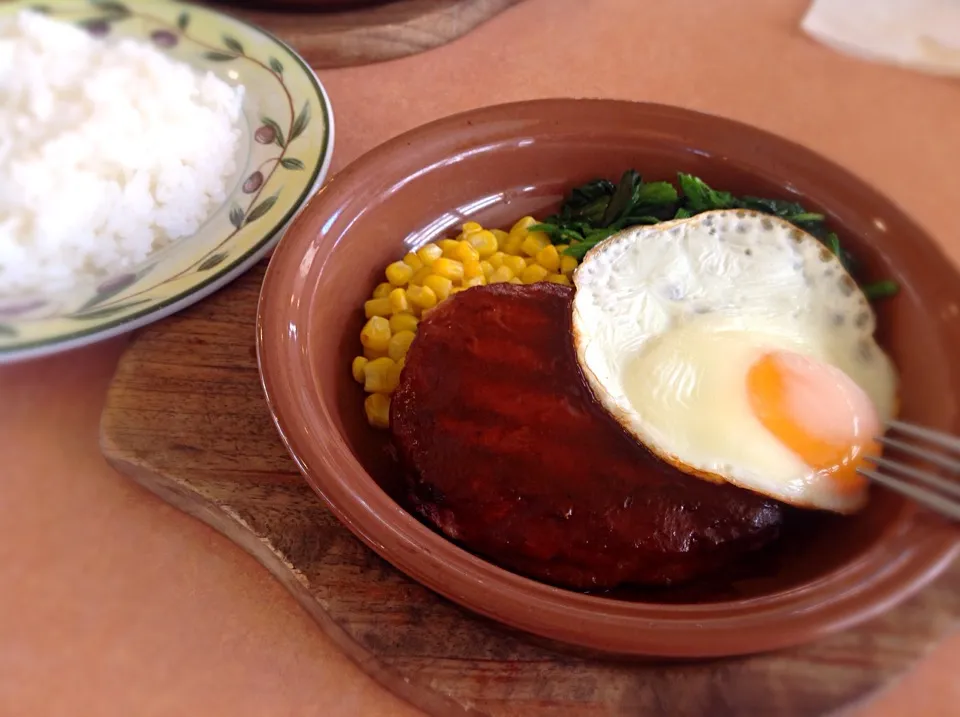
<point>504,273</point>
<point>484,242</point>
<point>474,281</point>
<point>458,289</point>
<point>472,268</point>
<point>376,375</point>
<point>466,251</point>
<point>448,268</point>
<point>398,301</point>
<point>567,264</point>
<point>404,321</point>
<point>399,273</point>
<point>400,344</point>
<point>393,375</point>
<point>470,228</point>
<point>496,260</point>
<point>533,274</point>
<point>523,224</point>
<point>377,307</point>
<point>534,242</point>
<point>429,253</point>
<point>501,236</point>
<point>561,248</point>
<point>371,354</point>
<point>383,290</point>
<point>440,285</point>
<point>515,280</point>
<point>421,274</point>
<point>487,268</point>
<point>515,263</point>
<point>412,260</point>
<point>357,367</point>
<point>377,408</point>
<point>449,247</point>
<point>514,242</point>
<point>531,260</point>
<point>559,279</point>
<point>422,297</point>
<point>549,258</point>
<point>376,333</point>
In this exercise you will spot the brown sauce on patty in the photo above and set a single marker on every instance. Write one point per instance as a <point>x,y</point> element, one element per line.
<point>507,451</point>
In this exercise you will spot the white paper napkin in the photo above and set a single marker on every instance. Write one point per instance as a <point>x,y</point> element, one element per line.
<point>920,34</point>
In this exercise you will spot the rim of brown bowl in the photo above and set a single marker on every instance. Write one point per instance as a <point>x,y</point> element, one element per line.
<point>909,555</point>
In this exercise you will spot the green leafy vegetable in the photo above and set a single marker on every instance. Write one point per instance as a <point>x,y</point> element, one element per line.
<point>880,290</point>
<point>598,209</point>
<point>655,194</point>
<point>698,197</point>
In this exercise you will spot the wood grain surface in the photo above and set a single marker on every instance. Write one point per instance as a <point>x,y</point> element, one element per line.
<point>372,34</point>
<point>185,417</point>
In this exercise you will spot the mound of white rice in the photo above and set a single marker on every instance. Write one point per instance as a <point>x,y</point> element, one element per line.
<point>109,150</point>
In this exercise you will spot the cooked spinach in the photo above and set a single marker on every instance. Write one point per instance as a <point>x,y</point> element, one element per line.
<point>598,209</point>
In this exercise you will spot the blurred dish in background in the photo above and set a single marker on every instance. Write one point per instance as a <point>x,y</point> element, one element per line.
<point>920,34</point>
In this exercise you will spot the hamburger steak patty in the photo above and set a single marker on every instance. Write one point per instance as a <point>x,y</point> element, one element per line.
<point>506,451</point>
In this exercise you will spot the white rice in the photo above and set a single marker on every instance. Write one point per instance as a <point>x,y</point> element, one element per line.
<point>109,150</point>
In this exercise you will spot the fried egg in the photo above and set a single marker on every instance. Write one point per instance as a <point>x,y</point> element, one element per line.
<point>737,348</point>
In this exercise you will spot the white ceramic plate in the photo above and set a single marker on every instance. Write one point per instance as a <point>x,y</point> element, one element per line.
<point>287,147</point>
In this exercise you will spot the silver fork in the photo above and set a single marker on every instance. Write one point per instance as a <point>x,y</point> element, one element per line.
<point>941,450</point>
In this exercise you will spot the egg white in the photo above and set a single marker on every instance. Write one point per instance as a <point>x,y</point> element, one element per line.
<point>668,319</point>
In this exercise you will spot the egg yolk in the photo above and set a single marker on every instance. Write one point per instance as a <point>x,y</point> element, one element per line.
<point>816,411</point>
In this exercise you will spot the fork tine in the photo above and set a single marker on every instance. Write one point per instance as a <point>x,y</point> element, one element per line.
<point>921,495</point>
<point>937,438</point>
<point>947,486</point>
<point>927,455</point>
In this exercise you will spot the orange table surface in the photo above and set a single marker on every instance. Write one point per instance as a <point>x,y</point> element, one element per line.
<point>112,603</point>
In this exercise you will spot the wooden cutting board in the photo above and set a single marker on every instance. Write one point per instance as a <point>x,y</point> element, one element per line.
<point>372,34</point>
<point>185,417</point>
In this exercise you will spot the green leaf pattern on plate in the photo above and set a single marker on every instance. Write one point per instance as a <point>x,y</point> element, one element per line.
<point>233,44</point>
<point>111,288</point>
<point>213,261</point>
<point>108,311</point>
<point>300,124</point>
<point>236,216</point>
<point>261,209</point>
<point>7,330</point>
<point>216,56</point>
<point>114,8</point>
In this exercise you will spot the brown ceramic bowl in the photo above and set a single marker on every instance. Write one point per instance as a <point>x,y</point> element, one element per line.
<point>497,164</point>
